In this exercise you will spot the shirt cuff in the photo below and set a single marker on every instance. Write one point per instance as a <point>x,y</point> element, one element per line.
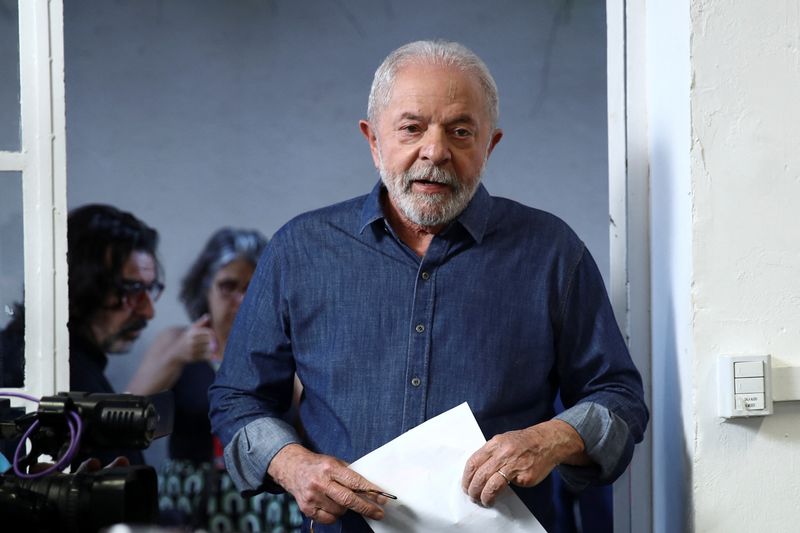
<point>606,440</point>
<point>250,451</point>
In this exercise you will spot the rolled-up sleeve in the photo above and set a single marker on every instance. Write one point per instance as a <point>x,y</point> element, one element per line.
<point>607,442</point>
<point>249,453</point>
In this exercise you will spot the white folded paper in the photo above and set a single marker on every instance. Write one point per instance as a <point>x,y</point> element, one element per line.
<point>423,468</point>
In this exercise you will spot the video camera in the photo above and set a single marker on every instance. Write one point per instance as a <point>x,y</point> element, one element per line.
<point>63,424</point>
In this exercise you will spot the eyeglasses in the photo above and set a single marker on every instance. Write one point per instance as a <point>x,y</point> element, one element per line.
<point>227,288</point>
<point>132,291</point>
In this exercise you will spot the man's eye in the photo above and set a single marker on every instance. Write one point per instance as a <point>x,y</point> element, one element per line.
<point>462,132</point>
<point>411,128</point>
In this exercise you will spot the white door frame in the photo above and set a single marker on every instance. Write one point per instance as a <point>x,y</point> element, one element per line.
<point>629,233</point>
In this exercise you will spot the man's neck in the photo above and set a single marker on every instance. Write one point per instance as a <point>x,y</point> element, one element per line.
<point>416,237</point>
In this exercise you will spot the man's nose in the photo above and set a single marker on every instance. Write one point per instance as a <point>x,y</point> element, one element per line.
<point>435,148</point>
<point>146,306</point>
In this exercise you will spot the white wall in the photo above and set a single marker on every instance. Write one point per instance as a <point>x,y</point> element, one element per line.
<point>726,256</point>
<point>745,165</point>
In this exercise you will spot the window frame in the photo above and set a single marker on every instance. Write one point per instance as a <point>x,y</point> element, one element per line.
<point>42,163</point>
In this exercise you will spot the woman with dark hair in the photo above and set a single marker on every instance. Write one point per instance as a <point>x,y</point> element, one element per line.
<point>194,488</point>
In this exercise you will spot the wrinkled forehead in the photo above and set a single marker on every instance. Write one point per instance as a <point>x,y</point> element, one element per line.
<point>436,88</point>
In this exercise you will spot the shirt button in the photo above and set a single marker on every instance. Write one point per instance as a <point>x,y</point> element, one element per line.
<point>416,381</point>
<point>425,275</point>
<point>420,328</point>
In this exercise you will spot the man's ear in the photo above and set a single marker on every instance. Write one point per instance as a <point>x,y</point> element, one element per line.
<point>371,135</point>
<point>496,136</point>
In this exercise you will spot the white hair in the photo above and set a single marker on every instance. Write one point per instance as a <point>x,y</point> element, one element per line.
<point>441,53</point>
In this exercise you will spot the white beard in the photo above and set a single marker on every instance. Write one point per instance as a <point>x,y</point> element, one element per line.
<point>425,209</point>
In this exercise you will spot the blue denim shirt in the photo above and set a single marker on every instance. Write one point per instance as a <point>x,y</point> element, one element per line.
<point>505,309</point>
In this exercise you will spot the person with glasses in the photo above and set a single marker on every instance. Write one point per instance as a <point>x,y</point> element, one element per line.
<point>195,490</point>
<point>114,282</point>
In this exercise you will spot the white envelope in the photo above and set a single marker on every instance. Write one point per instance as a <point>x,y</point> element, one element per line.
<point>423,468</point>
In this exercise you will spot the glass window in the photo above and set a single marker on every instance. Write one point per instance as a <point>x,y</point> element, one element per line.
<point>11,280</point>
<point>9,79</point>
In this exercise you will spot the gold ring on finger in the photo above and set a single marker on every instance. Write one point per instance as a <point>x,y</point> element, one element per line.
<point>508,481</point>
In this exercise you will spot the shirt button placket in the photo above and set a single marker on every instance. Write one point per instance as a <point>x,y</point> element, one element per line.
<point>420,346</point>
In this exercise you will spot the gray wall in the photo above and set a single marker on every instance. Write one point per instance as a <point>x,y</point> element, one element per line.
<point>195,114</point>
<point>9,78</point>
<point>11,263</point>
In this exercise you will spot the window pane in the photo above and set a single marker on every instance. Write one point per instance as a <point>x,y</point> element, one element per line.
<point>9,76</point>
<point>11,279</point>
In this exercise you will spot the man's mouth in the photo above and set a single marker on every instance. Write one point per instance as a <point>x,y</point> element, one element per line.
<point>131,334</point>
<point>428,186</point>
<point>132,331</point>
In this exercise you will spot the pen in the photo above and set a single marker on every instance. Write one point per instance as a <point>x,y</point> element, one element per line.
<point>380,492</point>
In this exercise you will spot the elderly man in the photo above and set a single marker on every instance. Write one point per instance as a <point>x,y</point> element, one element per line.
<point>396,306</point>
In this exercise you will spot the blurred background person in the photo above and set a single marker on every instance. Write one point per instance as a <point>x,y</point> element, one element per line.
<point>114,282</point>
<point>194,488</point>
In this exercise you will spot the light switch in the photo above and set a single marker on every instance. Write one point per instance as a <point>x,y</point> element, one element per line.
<point>748,369</point>
<point>744,385</point>
<point>748,385</point>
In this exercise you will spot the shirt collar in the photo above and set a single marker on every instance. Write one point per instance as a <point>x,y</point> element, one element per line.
<point>474,218</point>
<point>372,211</point>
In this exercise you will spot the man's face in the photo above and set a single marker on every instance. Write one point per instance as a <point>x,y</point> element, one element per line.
<point>116,327</point>
<point>431,142</point>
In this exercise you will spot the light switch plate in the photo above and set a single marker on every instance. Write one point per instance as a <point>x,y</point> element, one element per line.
<point>748,370</point>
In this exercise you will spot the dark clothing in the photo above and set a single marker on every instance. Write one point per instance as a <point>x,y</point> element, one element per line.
<point>12,351</point>
<point>191,432</point>
<point>505,309</point>
<point>86,366</point>
<point>194,489</point>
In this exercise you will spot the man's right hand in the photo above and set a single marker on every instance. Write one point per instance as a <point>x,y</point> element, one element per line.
<point>323,486</point>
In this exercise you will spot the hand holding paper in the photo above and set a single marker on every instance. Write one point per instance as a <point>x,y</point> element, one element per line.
<point>524,458</point>
<point>424,467</point>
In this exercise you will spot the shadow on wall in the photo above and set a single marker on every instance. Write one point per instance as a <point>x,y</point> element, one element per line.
<point>671,467</point>
<point>672,472</point>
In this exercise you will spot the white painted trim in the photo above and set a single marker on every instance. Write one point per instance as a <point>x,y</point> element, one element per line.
<point>617,196</point>
<point>59,180</point>
<point>11,161</point>
<point>629,233</point>
<point>43,164</point>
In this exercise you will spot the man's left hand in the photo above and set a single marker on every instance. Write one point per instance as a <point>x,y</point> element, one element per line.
<point>524,458</point>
